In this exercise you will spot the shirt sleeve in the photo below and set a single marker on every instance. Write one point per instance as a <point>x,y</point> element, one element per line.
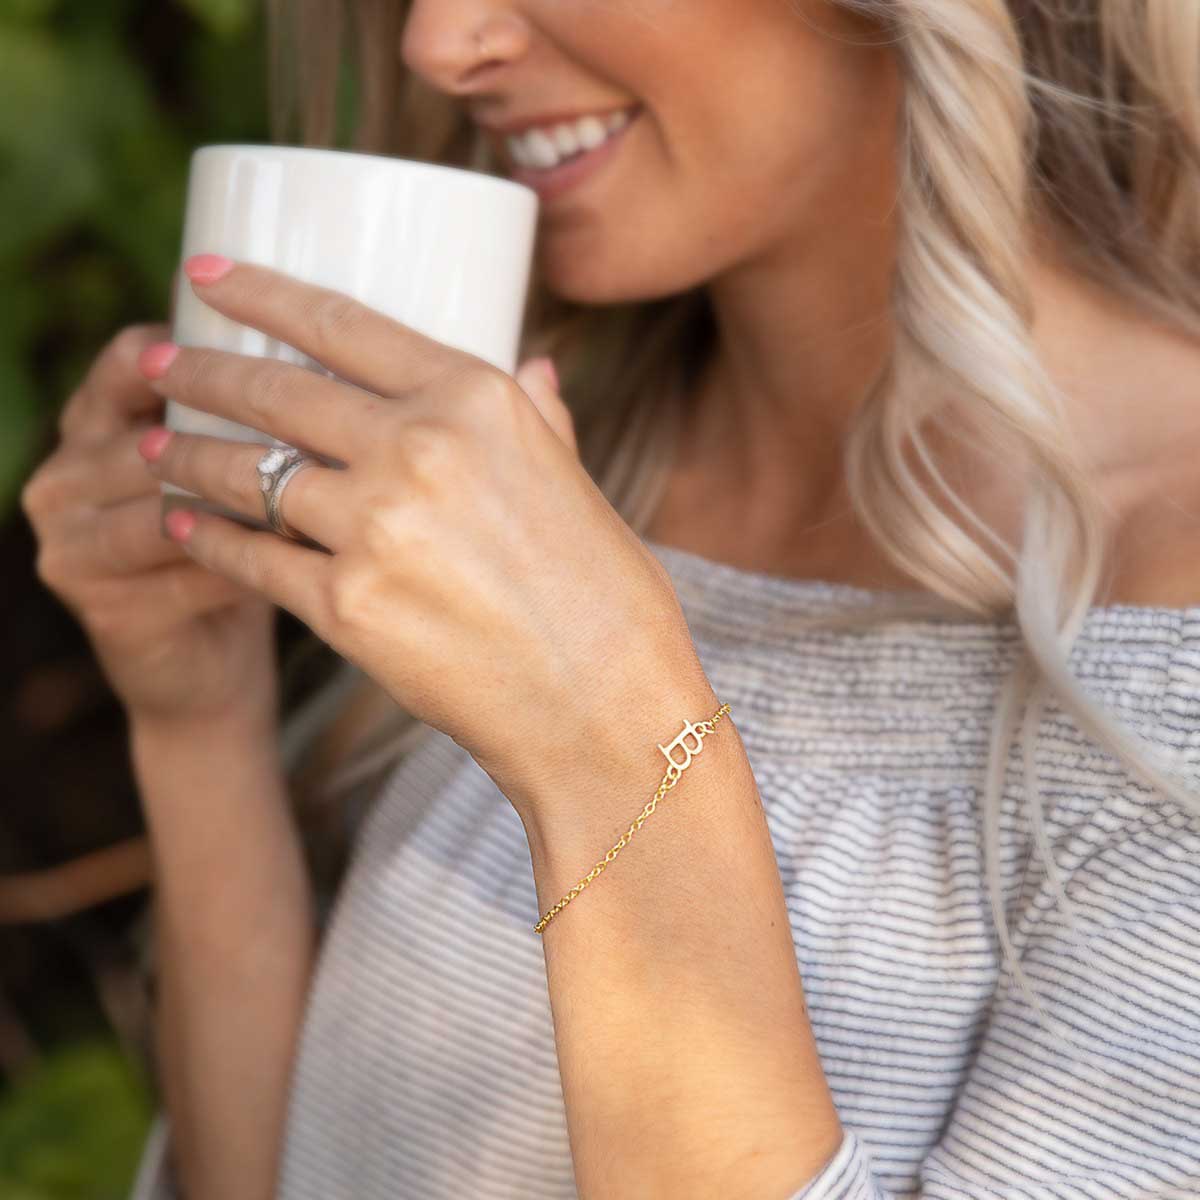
<point>1097,1098</point>
<point>848,1175</point>
<point>155,1179</point>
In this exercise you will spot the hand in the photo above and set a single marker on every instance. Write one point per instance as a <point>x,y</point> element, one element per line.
<point>475,571</point>
<point>177,642</point>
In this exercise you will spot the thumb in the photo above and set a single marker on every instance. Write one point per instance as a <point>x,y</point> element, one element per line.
<point>539,381</point>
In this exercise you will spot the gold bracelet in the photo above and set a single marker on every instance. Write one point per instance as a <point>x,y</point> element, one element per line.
<point>674,770</point>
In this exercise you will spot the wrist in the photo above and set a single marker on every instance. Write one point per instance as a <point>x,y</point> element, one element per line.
<point>572,795</point>
<point>253,718</point>
<point>181,735</point>
<point>566,843</point>
<point>201,780</point>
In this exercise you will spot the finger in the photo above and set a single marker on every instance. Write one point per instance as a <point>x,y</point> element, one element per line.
<point>539,380</point>
<point>288,402</point>
<point>119,471</point>
<point>276,568</point>
<point>187,589</point>
<point>113,392</point>
<point>122,539</point>
<point>315,500</point>
<point>356,342</point>
<point>84,477</point>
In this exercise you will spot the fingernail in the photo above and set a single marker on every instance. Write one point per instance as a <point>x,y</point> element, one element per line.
<point>154,360</point>
<point>180,523</point>
<point>207,268</point>
<point>153,442</point>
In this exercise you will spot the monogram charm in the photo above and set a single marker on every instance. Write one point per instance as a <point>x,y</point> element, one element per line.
<point>696,731</point>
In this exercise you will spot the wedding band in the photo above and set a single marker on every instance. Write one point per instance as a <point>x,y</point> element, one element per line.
<point>275,468</point>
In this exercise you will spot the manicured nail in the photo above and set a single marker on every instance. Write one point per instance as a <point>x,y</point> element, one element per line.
<point>207,268</point>
<point>154,360</point>
<point>153,442</point>
<point>180,523</point>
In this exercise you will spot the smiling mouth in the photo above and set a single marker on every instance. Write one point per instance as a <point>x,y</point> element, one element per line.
<point>550,182</point>
<point>541,148</point>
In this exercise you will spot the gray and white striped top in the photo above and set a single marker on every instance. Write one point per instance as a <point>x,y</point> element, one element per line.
<point>427,1069</point>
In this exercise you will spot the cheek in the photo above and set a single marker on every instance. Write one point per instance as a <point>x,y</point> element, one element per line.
<point>676,212</point>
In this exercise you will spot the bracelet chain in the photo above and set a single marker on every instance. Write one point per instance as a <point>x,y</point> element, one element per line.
<point>699,731</point>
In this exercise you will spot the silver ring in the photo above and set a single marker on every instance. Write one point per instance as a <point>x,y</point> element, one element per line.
<point>275,468</point>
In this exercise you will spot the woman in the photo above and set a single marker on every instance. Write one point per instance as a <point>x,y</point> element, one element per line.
<point>878,327</point>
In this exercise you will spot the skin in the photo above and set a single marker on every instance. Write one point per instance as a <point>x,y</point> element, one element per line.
<point>762,166</point>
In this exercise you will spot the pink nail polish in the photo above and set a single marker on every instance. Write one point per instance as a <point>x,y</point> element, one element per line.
<point>180,524</point>
<point>153,442</point>
<point>207,268</point>
<point>154,360</point>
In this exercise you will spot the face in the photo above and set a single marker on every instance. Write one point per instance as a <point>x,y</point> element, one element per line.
<point>760,126</point>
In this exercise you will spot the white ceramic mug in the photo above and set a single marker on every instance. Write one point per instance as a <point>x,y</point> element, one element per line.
<point>444,250</point>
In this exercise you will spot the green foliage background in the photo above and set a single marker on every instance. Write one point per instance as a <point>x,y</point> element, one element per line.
<point>75,1127</point>
<point>101,105</point>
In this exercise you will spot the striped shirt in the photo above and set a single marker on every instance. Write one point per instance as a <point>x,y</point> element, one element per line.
<point>426,1068</point>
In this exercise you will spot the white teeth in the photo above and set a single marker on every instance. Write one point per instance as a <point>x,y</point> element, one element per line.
<point>540,150</point>
<point>547,147</point>
<point>591,132</point>
<point>565,140</point>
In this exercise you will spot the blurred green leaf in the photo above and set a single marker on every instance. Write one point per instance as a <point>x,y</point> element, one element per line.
<point>26,10</point>
<point>51,173</point>
<point>227,96</point>
<point>101,105</point>
<point>71,1129</point>
<point>223,17</point>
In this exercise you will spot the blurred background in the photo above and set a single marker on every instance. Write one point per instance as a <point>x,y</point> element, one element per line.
<point>101,104</point>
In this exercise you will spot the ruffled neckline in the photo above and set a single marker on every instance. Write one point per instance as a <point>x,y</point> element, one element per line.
<point>713,592</point>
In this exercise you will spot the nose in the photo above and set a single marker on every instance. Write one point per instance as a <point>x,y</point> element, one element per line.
<point>458,45</point>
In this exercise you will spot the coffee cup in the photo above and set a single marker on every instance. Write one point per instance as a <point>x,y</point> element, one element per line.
<point>444,250</point>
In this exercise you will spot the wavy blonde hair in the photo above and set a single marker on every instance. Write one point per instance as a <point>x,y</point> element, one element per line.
<point>1081,116</point>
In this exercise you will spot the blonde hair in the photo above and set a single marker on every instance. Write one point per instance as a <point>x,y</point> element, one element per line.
<point>1018,117</point>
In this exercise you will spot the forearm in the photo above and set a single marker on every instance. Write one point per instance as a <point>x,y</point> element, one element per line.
<point>688,1063</point>
<point>235,940</point>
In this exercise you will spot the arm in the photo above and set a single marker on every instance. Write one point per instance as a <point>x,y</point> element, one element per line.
<point>687,1059</point>
<point>235,939</point>
<point>688,1063</point>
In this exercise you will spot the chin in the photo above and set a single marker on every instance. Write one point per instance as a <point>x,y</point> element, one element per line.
<point>607,279</point>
